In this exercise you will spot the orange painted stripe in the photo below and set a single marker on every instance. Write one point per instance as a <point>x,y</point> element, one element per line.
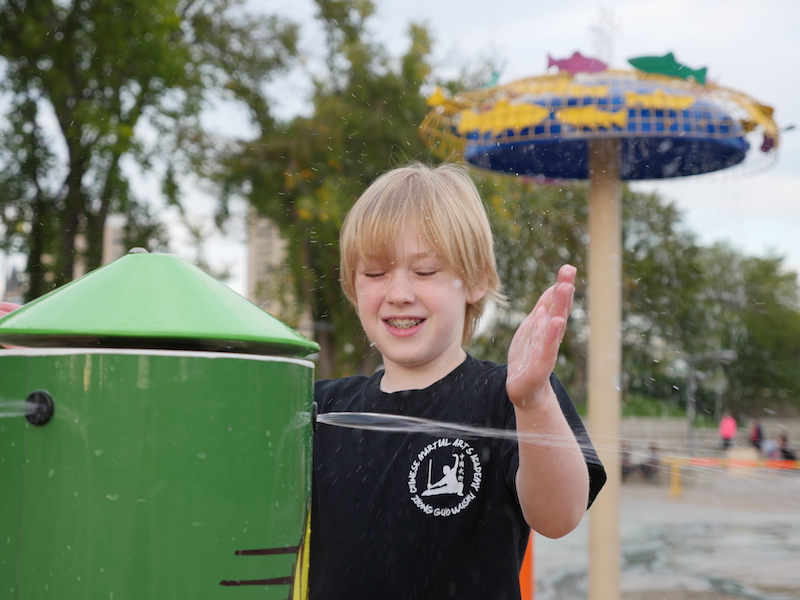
<point>526,578</point>
<point>704,461</point>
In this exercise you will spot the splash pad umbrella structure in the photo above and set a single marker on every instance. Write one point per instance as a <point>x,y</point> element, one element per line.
<point>608,126</point>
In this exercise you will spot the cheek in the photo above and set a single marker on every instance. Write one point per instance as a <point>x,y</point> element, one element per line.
<point>365,295</point>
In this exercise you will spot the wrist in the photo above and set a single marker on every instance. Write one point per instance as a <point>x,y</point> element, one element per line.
<point>531,397</point>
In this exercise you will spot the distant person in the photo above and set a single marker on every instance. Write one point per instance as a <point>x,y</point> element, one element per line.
<point>651,466</point>
<point>7,307</point>
<point>784,450</point>
<point>770,448</point>
<point>628,467</point>
<point>756,434</point>
<point>727,430</point>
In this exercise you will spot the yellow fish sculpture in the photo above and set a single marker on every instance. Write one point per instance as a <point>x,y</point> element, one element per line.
<point>659,100</point>
<point>501,117</point>
<point>591,117</point>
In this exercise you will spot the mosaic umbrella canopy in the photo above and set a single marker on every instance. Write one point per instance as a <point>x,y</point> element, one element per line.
<point>668,125</point>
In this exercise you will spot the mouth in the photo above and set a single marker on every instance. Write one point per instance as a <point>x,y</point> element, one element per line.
<point>404,323</point>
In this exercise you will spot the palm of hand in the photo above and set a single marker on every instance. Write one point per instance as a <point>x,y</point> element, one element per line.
<point>534,349</point>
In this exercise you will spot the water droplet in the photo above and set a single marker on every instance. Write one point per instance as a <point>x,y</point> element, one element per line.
<point>197,524</point>
<point>98,452</point>
<point>50,473</point>
<point>112,497</point>
<point>201,455</point>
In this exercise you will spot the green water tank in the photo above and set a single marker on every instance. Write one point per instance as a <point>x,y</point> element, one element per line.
<point>169,456</point>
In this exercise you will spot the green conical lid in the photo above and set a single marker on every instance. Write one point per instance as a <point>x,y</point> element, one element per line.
<point>147,300</point>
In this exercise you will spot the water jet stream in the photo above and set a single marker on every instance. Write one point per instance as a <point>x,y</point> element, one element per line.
<point>16,408</point>
<point>405,424</point>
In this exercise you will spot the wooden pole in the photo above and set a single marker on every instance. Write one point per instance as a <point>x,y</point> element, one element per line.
<point>605,360</point>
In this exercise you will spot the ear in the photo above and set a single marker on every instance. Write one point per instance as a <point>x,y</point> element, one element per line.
<point>476,293</point>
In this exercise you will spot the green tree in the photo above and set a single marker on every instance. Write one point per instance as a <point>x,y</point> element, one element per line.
<point>537,229</point>
<point>767,370</point>
<point>305,174</point>
<point>91,84</point>
<point>540,227</point>
<point>748,306</point>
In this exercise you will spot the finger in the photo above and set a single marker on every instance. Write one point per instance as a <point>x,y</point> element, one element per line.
<point>562,300</point>
<point>562,290</point>
<point>567,272</point>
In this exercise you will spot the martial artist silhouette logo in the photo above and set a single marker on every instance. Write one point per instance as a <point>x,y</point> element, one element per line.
<point>447,474</point>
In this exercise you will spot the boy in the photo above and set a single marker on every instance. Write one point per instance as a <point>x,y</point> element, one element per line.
<point>406,516</point>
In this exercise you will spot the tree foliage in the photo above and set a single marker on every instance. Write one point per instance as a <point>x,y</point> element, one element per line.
<point>305,174</point>
<point>769,351</point>
<point>93,83</point>
<point>681,301</point>
<point>540,227</point>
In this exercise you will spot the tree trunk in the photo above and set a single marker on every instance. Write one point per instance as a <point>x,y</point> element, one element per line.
<point>327,350</point>
<point>73,209</point>
<point>36,283</point>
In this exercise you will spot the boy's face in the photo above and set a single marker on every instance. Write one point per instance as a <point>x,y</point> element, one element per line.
<point>413,309</point>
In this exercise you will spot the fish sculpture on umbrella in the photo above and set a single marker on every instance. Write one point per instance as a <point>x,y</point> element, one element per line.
<point>577,63</point>
<point>667,65</point>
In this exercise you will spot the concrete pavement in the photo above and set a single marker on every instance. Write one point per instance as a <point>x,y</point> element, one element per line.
<point>733,534</point>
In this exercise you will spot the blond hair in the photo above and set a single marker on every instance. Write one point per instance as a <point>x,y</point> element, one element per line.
<point>444,205</point>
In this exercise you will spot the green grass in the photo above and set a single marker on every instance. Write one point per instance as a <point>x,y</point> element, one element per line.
<point>636,405</point>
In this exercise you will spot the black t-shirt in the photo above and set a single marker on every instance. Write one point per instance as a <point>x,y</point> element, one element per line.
<point>415,515</point>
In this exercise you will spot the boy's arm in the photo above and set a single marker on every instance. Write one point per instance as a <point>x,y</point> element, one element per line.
<point>552,480</point>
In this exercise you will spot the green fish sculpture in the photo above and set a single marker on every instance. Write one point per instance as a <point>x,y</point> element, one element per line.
<point>667,65</point>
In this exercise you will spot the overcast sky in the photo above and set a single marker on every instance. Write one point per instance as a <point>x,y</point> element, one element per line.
<point>751,47</point>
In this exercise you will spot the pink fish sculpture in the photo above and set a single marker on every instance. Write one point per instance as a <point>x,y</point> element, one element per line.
<point>577,63</point>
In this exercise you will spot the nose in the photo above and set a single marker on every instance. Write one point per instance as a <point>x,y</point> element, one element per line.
<point>400,289</point>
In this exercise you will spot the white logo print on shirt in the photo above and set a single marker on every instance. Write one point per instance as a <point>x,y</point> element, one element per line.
<point>447,473</point>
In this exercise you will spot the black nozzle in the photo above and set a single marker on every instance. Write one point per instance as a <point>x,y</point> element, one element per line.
<point>45,408</point>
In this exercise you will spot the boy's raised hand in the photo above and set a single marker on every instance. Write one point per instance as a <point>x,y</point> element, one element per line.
<point>534,349</point>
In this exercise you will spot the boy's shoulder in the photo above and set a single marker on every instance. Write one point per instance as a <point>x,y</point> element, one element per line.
<point>331,392</point>
<point>343,383</point>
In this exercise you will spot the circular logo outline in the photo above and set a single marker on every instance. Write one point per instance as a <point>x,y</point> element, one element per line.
<point>445,465</point>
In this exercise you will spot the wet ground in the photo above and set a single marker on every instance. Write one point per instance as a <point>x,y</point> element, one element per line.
<point>733,534</point>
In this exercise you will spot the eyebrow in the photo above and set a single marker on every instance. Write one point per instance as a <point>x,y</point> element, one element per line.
<point>425,255</point>
<point>390,258</point>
